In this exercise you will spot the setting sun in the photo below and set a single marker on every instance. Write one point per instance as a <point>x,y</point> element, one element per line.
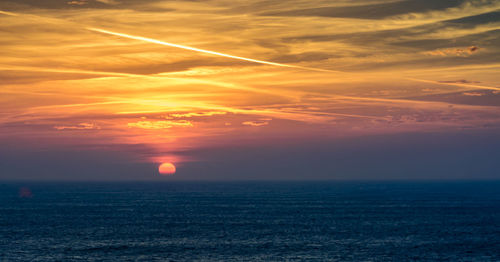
<point>166,169</point>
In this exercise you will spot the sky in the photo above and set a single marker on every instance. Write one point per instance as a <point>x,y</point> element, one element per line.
<point>249,90</point>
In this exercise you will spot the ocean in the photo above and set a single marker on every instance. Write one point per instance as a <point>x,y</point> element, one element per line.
<point>250,221</point>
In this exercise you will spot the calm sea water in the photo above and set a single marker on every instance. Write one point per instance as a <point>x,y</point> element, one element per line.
<point>250,221</point>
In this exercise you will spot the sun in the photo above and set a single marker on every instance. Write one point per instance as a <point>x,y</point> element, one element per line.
<point>166,169</point>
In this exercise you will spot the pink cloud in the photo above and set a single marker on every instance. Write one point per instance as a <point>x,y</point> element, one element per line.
<point>472,94</point>
<point>255,123</point>
<point>81,126</point>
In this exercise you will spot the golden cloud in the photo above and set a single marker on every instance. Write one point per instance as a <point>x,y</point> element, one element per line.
<point>81,126</point>
<point>463,51</point>
<point>160,124</point>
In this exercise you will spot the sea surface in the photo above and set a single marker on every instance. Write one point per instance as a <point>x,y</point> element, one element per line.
<point>250,221</point>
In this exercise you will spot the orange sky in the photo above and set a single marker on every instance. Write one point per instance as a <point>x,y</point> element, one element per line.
<point>422,70</point>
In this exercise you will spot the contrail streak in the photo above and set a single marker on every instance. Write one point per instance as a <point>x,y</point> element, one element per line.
<point>7,13</point>
<point>150,40</point>
<point>455,84</point>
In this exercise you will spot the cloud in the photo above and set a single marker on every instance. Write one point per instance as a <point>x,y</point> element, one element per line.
<point>108,2</point>
<point>472,94</point>
<point>81,126</point>
<point>255,123</point>
<point>158,42</point>
<point>77,2</point>
<point>160,124</point>
<point>370,11</point>
<point>462,51</point>
<point>461,81</point>
<point>7,13</point>
<point>303,57</point>
<point>400,41</point>
<point>474,20</point>
<point>473,49</point>
<point>477,98</point>
<point>200,114</point>
<point>59,4</point>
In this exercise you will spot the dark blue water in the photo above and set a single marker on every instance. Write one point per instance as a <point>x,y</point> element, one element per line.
<point>250,221</point>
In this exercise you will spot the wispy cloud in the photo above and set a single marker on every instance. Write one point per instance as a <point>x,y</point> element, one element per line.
<point>154,41</point>
<point>472,94</point>
<point>196,114</point>
<point>160,124</point>
<point>461,81</point>
<point>78,2</point>
<point>81,126</point>
<point>255,123</point>
<point>109,2</point>
<point>454,51</point>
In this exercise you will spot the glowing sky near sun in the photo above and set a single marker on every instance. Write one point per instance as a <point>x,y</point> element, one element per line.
<point>174,77</point>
